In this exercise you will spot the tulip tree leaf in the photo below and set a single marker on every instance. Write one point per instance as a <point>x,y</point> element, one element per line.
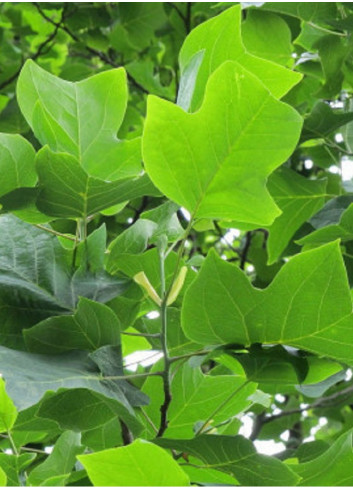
<point>220,38</point>
<point>332,468</point>
<point>16,163</point>
<point>215,162</point>
<point>161,469</point>
<point>237,456</point>
<point>12,465</point>
<point>93,325</point>
<point>3,478</point>
<point>29,376</point>
<point>308,305</point>
<point>68,191</point>
<point>299,199</point>
<point>82,119</point>
<point>339,229</point>
<point>33,263</point>
<point>59,463</point>
<point>196,397</point>
<point>8,411</point>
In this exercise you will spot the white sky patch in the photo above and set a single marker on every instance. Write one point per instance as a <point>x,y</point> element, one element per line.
<point>280,398</point>
<point>144,358</point>
<point>250,268</point>
<point>334,169</point>
<point>185,213</point>
<point>347,168</point>
<point>48,449</point>
<point>339,138</point>
<point>285,435</point>
<point>230,236</point>
<point>348,374</point>
<point>247,426</point>
<point>153,315</point>
<point>269,447</point>
<point>308,164</point>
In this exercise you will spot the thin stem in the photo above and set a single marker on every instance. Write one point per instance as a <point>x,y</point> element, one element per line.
<point>143,335</point>
<point>149,420</point>
<point>166,377</point>
<point>52,231</point>
<point>188,355</point>
<point>133,376</point>
<point>12,443</point>
<point>220,406</point>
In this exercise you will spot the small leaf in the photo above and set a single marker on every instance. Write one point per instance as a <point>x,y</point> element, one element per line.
<point>8,411</point>
<point>59,463</point>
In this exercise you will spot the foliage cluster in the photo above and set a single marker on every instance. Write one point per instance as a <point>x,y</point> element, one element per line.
<point>171,184</point>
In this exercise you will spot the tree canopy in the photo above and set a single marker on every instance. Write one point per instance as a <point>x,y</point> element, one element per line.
<point>176,244</point>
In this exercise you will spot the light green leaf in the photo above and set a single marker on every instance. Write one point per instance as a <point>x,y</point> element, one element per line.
<point>140,464</point>
<point>8,411</point>
<point>59,463</point>
<point>16,163</point>
<point>308,305</point>
<point>332,468</point>
<point>220,38</point>
<point>237,456</point>
<point>3,478</point>
<point>93,325</point>
<point>299,199</point>
<point>82,119</point>
<point>198,397</point>
<point>68,191</point>
<point>215,162</point>
<point>277,47</point>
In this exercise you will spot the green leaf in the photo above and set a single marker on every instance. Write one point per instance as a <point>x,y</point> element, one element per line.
<point>93,325</point>
<point>12,465</point>
<point>323,120</point>
<point>140,463</point>
<point>8,411</point>
<point>237,456</point>
<point>277,47</point>
<point>16,163</point>
<point>82,119</point>
<point>60,462</point>
<point>29,376</point>
<point>220,38</point>
<point>3,478</point>
<point>198,398</point>
<point>333,222</point>
<point>68,191</point>
<point>332,468</point>
<point>299,199</point>
<point>210,162</point>
<point>33,263</point>
<point>72,410</point>
<point>308,305</point>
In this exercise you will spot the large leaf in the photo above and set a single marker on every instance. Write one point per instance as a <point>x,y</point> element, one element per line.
<point>93,325</point>
<point>198,397</point>
<point>60,462</point>
<point>299,199</point>
<point>220,38</point>
<point>34,264</point>
<point>16,163</point>
<point>215,162</point>
<point>332,468</point>
<point>29,376</point>
<point>308,305</point>
<point>81,119</point>
<point>237,456</point>
<point>140,464</point>
<point>68,191</point>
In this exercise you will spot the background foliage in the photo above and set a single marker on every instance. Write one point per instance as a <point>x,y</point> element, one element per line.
<point>176,181</point>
